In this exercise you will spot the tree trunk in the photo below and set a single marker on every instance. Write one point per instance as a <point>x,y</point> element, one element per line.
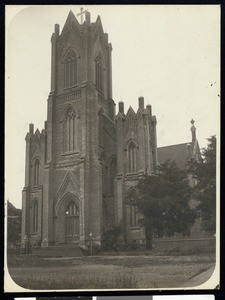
<point>148,237</point>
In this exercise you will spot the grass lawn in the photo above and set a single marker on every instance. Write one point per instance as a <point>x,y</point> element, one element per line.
<point>108,272</point>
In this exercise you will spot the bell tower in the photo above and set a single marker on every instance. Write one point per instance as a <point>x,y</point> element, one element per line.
<point>81,56</point>
<point>80,101</point>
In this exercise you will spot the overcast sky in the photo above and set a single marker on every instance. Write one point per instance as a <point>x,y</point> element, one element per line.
<point>168,54</point>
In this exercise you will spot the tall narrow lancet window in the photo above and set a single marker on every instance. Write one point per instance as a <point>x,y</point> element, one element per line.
<point>132,216</point>
<point>35,216</point>
<point>99,72</point>
<point>112,175</point>
<point>36,172</point>
<point>70,69</point>
<point>72,220</point>
<point>132,210</point>
<point>70,130</point>
<point>132,157</point>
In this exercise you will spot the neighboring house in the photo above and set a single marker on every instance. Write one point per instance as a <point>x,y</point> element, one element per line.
<point>81,165</point>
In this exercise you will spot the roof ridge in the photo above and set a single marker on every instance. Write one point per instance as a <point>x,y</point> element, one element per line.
<point>172,145</point>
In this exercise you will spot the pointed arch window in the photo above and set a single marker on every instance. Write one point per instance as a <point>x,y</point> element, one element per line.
<point>36,172</point>
<point>72,220</point>
<point>104,212</point>
<point>132,210</point>
<point>132,216</point>
<point>112,175</point>
<point>70,130</point>
<point>35,216</point>
<point>132,157</point>
<point>70,69</point>
<point>99,72</point>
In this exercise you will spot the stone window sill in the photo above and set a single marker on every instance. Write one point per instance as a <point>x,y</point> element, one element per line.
<point>70,153</point>
<point>71,88</point>
<point>134,227</point>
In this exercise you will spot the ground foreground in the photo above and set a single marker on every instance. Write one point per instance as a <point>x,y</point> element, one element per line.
<point>111,272</point>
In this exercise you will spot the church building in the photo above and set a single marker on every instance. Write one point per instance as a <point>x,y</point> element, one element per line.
<point>181,153</point>
<point>80,167</point>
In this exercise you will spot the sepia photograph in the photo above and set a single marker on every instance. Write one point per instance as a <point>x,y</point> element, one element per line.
<point>112,138</point>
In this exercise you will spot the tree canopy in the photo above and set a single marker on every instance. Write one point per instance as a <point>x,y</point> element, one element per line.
<point>205,190</point>
<point>163,200</point>
<point>13,224</point>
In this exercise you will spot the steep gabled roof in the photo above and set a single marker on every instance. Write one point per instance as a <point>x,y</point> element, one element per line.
<point>37,133</point>
<point>70,21</point>
<point>120,116</point>
<point>98,26</point>
<point>131,112</point>
<point>12,210</point>
<point>178,153</point>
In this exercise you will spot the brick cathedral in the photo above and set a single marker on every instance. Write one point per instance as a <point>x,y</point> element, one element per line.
<point>81,165</point>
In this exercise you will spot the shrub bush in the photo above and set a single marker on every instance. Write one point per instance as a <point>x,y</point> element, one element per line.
<point>110,238</point>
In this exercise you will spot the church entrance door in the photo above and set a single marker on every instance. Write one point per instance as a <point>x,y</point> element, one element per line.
<point>72,223</point>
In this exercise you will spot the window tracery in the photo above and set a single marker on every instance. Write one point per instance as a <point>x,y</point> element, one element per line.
<point>132,157</point>
<point>35,216</point>
<point>70,130</point>
<point>72,220</point>
<point>70,69</point>
<point>36,172</point>
<point>99,72</point>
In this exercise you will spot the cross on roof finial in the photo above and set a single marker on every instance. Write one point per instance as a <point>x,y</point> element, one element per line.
<point>82,11</point>
<point>192,121</point>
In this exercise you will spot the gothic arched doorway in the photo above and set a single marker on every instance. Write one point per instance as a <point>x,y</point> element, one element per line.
<point>67,219</point>
<point>72,223</point>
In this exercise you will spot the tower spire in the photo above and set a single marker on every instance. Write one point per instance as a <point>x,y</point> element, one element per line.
<point>193,130</point>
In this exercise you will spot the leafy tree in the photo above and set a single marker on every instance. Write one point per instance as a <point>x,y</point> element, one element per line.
<point>13,224</point>
<point>205,190</point>
<point>163,200</point>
